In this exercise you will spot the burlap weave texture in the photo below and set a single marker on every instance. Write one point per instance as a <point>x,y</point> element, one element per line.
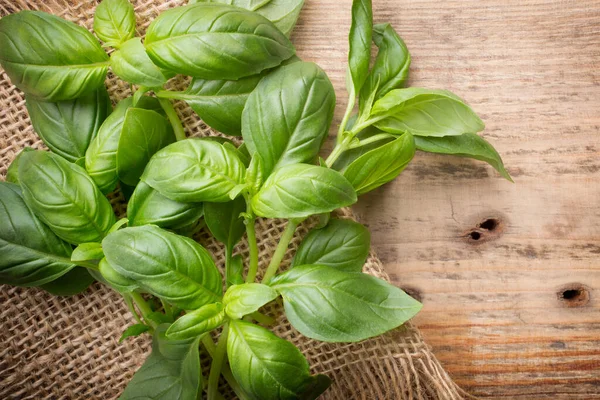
<point>67,348</point>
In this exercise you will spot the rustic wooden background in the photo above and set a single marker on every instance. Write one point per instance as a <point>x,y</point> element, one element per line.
<point>514,314</point>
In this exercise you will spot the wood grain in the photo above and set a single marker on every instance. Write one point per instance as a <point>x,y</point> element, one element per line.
<point>494,308</point>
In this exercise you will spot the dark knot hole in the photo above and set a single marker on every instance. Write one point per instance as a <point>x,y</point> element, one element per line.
<point>574,295</point>
<point>489,224</point>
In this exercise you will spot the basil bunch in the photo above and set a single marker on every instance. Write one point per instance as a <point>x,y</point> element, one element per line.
<point>58,230</point>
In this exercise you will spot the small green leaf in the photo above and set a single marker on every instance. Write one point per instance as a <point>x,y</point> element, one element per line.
<point>159,317</point>
<point>235,272</point>
<point>197,322</point>
<point>134,330</point>
<point>342,244</point>
<point>73,282</point>
<point>118,225</point>
<point>12,173</point>
<point>224,221</point>
<point>361,32</point>
<point>468,145</point>
<point>241,300</point>
<point>87,251</point>
<point>254,174</point>
<point>132,64</point>
<point>301,190</point>
<point>330,305</point>
<point>114,21</point>
<point>115,279</point>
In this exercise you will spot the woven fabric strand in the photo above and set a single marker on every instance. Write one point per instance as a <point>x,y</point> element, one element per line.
<point>67,348</point>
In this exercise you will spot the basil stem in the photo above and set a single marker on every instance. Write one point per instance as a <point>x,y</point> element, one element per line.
<point>226,371</point>
<point>173,118</point>
<point>217,364</point>
<point>280,251</point>
<point>132,310</point>
<point>144,308</point>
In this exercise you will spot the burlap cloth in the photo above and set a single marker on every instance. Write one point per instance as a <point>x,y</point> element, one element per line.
<point>67,348</point>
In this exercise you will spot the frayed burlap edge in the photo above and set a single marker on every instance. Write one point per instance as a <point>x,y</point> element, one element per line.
<point>67,348</point>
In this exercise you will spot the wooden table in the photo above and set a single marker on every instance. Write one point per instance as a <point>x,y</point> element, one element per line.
<point>514,314</point>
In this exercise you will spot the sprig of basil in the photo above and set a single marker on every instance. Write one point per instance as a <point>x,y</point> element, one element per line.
<point>114,21</point>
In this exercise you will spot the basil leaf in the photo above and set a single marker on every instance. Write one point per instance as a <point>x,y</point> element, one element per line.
<point>224,221</point>
<point>330,305</point>
<point>197,322</point>
<point>114,279</point>
<point>144,132</point>
<point>380,165</point>
<point>342,244</point>
<point>391,67</point>
<point>87,251</point>
<point>12,173</point>
<point>241,300</point>
<point>268,367</point>
<point>65,198</point>
<point>195,170</point>
<point>68,127</point>
<point>148,207</point>
<point>301,190</point>
<point>102,155</point>
<point>66,67</point>
<point>235,271</point>
<point>425,112</point>
<point>73,282</point>
<point>215,41</point>
<point>132,64</point>
<point>134,330</point>
<point>468,145</point>
<point>283,13</point>
<point>361,31</point>
<point>114,21</point>
<point>172,267</point>
<point>287,116</point>
<point>171,372</point>
<point>30,253</point>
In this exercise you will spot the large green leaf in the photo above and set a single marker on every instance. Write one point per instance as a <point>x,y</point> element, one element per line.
<point>195,170</point>
<point>391,67</point>
<point>343,244</point>
<point>288,115</point>
<point>50,58</point>
<point>30,253</point>
<point>301,190</point>
<point>147,206</point>
<point>224,221</point>
<point>361,32</point>
<point>241,300</point>
<point>215,41</point>
<point>468,145</point>
<point>12,173</point>
<point>172,267</point>
<point>425,112</point>
<point>132,64</point>
<point>381,164</point>
<point>268,367</point>
<point>171,372</point>
<point>73,282</point>
<point>114,21</point>
<point>197,322</point>
<point>64,197</point>
<point>68,127</point>
<point>327,304</point>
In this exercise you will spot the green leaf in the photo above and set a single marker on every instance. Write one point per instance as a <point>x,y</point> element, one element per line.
<point>342,244</point>
<point>148,207</point>
<point>87,251</point>
<point>114,21</point>
<point>114,279</point>
<point>144,132</point>
<point>380,165</point>
<point>301,190</point>
<point>330,305</point>
<point>197,322</point>
<point>391,65</point>
<point>12,173</point>
<point>254,174</point>
<point>73,282</point>
<point>361,32</point>
<point>159,318</point>
<point>468,145</point>
<point>171,372</point>
<point>30,253</point>
<point>215,41</point>
<point>67,127</point>
<point>66,67</point>
<point>241,300</point>
<point>425,112</point>
<point>65,198</point>
<point>134,330</point>
<point>235,272</point>
<point>195,170</point>
<point>287,116</point>
<point>132,64</point>
<point>283,13</point>
<point>172,267</point>
<point>268,367</point>
<point>224,221</point>
<point>102,155</point>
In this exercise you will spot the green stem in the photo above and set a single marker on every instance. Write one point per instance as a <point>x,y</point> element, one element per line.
<point>347,114</point>
<point>85,264</point>
<point>253,250</point>
<point>132,310</point>
<point>173,118</point>
<point>217,364</point>
<point>262,318</point>
<point>372,139</point>
<point>226,371</point>
<point>280,251</point>
<point>167,308</point>
<point>144,308</point>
